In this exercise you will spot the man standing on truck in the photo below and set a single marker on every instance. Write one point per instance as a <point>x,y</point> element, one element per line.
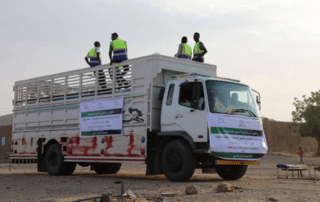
<point>119,50</point>
<point>199,50</point>
<point>184,50</point>
<point>95,60</point>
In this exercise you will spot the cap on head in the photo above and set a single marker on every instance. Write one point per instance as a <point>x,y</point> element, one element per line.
<point>184,39</point>
<point>97,44</point>
<point>114,36</point>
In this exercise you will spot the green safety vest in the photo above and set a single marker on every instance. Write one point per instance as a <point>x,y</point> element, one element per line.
<point>119,50</point>
<point>118,44</point>
<point>186,50</point>
<point>196,50</point>
<point>93,56</point>
<point>92,53</point>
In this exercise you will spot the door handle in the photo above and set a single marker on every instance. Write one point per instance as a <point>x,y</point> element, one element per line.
<point>179,116</point>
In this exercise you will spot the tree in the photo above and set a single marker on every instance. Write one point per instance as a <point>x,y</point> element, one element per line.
<point>306,117</point>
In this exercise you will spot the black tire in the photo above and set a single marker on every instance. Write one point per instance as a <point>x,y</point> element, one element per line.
<point>84,164</point>
<point>116,168</point>
<point>69,168</point>
<point>178,161</point>
<point>229,172</point>
<point>54,162</point>
<point>106,168</point>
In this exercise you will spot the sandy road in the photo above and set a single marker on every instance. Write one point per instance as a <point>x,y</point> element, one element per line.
<point>23,183</point>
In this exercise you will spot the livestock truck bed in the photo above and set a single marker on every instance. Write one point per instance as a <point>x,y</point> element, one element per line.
<point>46,109</point>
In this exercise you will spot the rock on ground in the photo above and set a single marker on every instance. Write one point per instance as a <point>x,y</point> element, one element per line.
<point>106,197</point>
<point>191,190</point>
<point>225,187</point>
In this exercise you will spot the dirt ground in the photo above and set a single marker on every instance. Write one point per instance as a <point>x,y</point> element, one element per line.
<point>23,183</point>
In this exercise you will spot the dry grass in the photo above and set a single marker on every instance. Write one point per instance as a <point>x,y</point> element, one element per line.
<point>281,138</point>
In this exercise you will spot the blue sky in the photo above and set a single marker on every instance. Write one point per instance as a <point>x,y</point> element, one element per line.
<point>271,45</point>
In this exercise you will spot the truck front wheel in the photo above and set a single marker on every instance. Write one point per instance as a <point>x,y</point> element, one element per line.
<point>229,172</point>
<point>55,162</point>
<point>178,161</point>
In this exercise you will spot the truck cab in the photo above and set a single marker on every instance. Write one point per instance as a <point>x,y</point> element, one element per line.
<point>218,121</point>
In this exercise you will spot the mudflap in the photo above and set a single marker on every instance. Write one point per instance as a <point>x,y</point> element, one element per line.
<point>154,164</point>
<point>153,159</point>
<point>41,166</point>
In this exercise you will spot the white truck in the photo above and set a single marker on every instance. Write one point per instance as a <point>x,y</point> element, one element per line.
<point>171,114</point>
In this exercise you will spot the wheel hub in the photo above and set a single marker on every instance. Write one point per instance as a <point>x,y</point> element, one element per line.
<point>174,161</point>
<point>54,160</point>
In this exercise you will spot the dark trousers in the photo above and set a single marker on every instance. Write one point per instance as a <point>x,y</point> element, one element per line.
<point>101,77</point>
<point>120,73</point>
<point>198,59</point>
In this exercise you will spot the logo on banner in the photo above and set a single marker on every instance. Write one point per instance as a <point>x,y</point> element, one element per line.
<point>116,104</point>
<point>85,107</point>
<point>241,123</point>
<point>221,121</point>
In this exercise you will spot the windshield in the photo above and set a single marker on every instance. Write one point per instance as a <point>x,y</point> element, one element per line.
<point>230,98</point>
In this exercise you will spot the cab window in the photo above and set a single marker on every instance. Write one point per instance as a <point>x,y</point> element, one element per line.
<point>170,95</point>
<point>190,92</point>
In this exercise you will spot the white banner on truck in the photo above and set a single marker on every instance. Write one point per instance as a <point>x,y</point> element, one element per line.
<point>101,117</point>
<point>236,137</point>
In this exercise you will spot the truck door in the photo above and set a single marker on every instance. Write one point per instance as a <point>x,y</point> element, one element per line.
<point>167,112</point>
<point>192,120</point>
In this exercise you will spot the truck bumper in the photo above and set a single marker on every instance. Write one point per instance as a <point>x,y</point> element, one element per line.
<point>236,162</point>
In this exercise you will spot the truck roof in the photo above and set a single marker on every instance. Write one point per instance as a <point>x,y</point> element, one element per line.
<point>207,77</point>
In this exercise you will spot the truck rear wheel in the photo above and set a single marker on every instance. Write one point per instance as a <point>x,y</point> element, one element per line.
<point>106,168</point>
<point>178,161</point>
<point>55,162</point>
<point>229,172</point>
<point>69,168</point>
<point>116,168</point>
<point>84,164</point>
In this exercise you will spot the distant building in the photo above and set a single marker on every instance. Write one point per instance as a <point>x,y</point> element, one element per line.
<point>5,135</point>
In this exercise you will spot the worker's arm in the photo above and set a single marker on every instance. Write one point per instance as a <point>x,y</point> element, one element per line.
<point>201,46</point>
<point>110,54</point>
<point>86,59</point>
<point>179,51</point>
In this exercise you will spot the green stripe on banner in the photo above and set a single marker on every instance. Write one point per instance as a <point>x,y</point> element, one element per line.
<point>235,131</point>
<point>237,155</point>
<point>101,132</point>
<point>101,113</point>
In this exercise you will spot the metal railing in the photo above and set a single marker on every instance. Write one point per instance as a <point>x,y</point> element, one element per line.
<point>70,86</point>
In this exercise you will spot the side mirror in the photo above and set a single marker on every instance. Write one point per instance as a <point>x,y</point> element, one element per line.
<point>258,98</point>
<point>259,102</point>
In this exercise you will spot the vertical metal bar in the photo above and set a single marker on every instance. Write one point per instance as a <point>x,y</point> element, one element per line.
<point>15,96</point>
<point>80,86</point>
<point>38,99</point>
<point>51,91</point>
<point>65,89</point>
<point>113,81</point>
<point>97,84</point>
